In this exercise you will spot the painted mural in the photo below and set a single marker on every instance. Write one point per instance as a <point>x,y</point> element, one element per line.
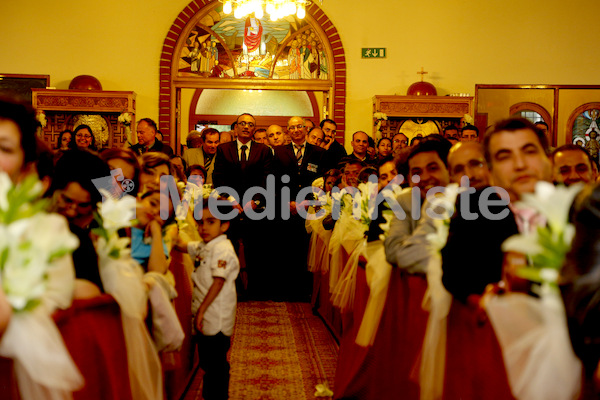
<point>221,46</point>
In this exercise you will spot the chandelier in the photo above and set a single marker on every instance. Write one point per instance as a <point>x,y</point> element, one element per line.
<point>275,8</point>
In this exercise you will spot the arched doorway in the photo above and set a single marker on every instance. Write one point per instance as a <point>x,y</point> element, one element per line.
<point>205,50</point>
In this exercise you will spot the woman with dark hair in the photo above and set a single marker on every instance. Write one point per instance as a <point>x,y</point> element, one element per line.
<point>384,148</point>
<point>83,138</point>
<point>17,153</point>
<point>17,134</point>
<point>64,139</point>
<point>75,196</point>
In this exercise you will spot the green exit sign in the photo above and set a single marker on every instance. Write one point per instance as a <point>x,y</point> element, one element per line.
<point>373,52</point>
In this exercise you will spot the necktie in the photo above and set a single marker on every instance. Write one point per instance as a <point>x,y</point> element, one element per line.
<point>528,219</point>
<point>243,155</point>
<point>298,154</point>
<point>207,162</point>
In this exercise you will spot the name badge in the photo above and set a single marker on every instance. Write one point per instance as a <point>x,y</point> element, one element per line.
<point>312,167</point>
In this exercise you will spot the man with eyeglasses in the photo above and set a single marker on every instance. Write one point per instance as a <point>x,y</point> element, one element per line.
<point>146,134</point>
<point>467,159</point>
<point>334,151</point>
<point>399,141</point>
<point>297,165</point>
<point>242,163</point>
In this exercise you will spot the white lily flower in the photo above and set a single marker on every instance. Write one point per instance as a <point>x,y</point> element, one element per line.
<point>554,202</point>
<point>385,226</point>
<point>117,213</point>
<point>525,244</point>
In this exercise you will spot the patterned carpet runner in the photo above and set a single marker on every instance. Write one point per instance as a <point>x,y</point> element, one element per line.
<point>279,351</point>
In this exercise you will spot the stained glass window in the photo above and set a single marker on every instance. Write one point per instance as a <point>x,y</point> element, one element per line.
<point>221,46</point>
<point>586,132</point>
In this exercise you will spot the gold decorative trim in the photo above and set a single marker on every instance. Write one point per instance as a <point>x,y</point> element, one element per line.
<point>424,106</point>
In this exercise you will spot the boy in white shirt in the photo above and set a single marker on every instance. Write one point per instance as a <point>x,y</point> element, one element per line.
<point>214,301</point>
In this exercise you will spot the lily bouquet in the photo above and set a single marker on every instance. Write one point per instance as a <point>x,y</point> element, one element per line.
<point>547,246</point>
<point>532,332</point>
<point>26,251</point>
<point>37,275</point>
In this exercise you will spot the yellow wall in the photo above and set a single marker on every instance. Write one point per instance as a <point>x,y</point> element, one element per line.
<point>461,43</point>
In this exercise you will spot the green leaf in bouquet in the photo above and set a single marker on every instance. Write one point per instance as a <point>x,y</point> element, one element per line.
<point>529,273</point>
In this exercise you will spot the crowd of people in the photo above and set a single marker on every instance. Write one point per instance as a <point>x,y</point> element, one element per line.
<point>251,214</point>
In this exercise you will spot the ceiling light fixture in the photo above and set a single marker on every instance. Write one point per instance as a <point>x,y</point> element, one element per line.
<point>275,8</point>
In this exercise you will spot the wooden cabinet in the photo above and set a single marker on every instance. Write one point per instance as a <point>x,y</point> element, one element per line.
<point>100,109</point>
<point>414,115</point>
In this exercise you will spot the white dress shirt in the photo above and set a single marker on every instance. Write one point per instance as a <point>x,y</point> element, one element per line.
<point>215,259</point>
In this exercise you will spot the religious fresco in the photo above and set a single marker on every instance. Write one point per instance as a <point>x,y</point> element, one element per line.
<point>221,46</point>
<point>586,132</point>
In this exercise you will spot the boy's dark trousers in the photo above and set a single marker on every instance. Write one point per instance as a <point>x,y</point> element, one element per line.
<point>212,354</point>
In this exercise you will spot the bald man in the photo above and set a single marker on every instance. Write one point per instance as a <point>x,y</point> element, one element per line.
<point>572,164</point>
<point>467,159</point>
<point>360,145</point>
<point>275,135</point>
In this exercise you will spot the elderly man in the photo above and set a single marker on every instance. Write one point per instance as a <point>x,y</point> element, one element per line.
<point>467,159</point>
<point>146,134</point>
<point>202,148</point>
<point>297,165</point>
<point>572,164</point>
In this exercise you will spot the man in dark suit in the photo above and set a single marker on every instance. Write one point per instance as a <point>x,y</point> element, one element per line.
<point>241,165</point>
<point>297,165</point>
<point>300,160</point>
<point>516,152</point>
<point>473,258</point>
<point>146,134</point>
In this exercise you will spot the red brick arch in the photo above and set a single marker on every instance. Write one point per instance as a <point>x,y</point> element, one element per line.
<point>167,58</point>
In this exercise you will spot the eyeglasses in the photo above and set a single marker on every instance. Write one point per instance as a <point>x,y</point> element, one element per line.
<point>244,123</point>
<point>292,128</point>
<point>68,202</point>
<point>80,135</point>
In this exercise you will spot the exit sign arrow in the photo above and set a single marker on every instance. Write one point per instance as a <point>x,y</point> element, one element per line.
<point>373,52</point>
